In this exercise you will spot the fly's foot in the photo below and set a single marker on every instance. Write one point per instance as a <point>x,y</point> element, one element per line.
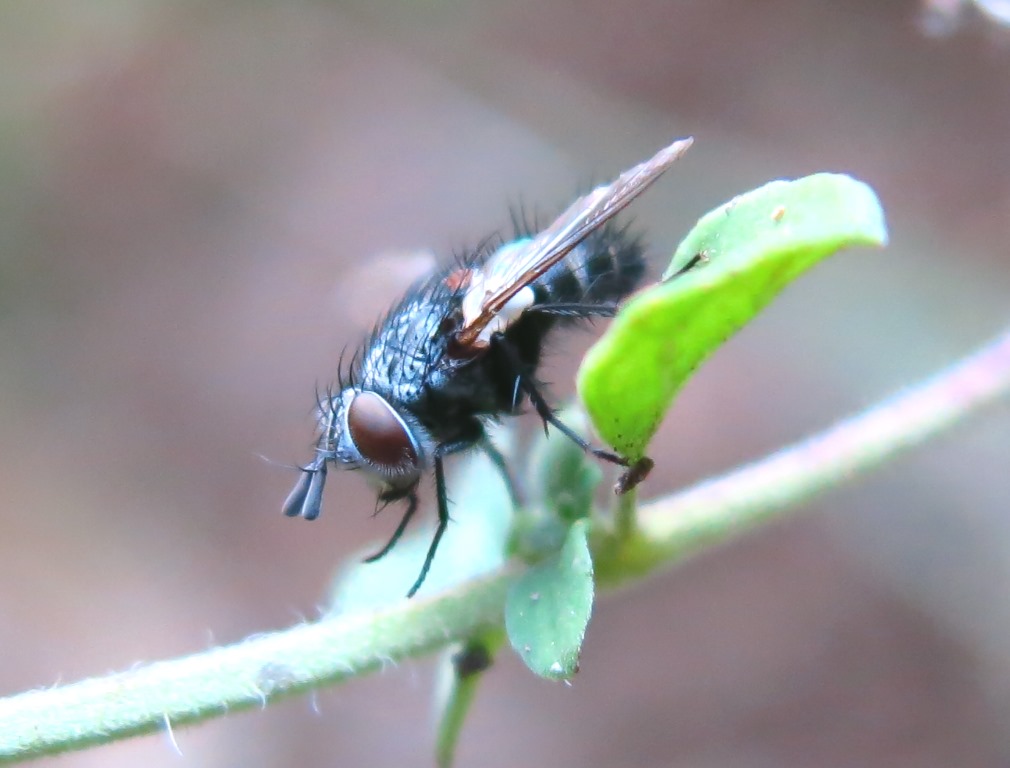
<point>633,475</point>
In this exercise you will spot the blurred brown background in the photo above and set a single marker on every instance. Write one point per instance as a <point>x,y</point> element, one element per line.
<point>193,200</point>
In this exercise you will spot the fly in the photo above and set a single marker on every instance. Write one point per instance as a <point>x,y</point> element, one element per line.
<point>462,348</point>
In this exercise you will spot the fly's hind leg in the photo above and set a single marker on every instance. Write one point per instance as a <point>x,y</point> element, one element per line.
<point>634,472</point>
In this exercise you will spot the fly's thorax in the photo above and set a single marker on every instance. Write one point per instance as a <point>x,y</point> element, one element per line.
<point>361,429</point>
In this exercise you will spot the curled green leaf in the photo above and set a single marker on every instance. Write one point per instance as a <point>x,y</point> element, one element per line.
<point>746,251</point>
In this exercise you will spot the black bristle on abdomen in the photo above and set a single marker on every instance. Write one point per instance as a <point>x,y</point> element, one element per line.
<point>603,269</point>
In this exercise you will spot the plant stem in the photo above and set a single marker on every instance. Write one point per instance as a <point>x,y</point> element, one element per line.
<point>713,509</point>
<point>248,674</point>
<point>460,688</point>
<point>626,515</point>
<point>266,667</point>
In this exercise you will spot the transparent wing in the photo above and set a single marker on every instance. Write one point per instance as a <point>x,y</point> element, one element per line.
<point>486,304</point>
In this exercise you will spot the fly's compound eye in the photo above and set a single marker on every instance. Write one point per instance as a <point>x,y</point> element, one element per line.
<point>379,434</point>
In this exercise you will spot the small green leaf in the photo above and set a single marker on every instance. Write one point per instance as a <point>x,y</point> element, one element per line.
<point>751,248</point>
<point>474,544</point>
<point>547,609</point>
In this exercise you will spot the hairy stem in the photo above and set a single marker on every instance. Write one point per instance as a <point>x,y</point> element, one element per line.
<point>265,667</point>
<point>715,508</point>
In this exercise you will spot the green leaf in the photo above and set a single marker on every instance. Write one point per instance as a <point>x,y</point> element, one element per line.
<point>751,248</point>
<point>474,544</point>
<point>547,609</point>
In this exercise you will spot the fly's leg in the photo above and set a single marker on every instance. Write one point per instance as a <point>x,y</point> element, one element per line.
<point>574,309</point>
<point>501,464</point>
<point>546,413</point>
<point>634,473</point>
<point>476,436</point>
<point>411,496</point>
<point>604,309</point>
<point>443,522</point>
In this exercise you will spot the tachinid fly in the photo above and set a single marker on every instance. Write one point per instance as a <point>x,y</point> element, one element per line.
<point>463,347</point>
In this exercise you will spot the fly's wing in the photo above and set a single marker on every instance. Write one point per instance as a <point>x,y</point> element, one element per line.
<point>493,298</point>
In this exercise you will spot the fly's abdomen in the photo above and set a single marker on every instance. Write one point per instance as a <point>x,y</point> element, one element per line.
<point>603,269</point>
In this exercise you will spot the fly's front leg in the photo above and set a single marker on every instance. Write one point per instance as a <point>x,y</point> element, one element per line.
<point>410,494</point>
<point>473,435</point>
<point>443,523</point>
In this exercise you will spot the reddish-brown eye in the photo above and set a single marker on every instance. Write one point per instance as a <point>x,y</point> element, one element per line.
<point>379,434</point>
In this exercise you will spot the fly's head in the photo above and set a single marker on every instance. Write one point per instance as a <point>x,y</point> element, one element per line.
<point>360,429</point>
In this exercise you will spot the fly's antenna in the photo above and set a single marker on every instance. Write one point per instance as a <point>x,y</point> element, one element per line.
<point>306,498</point>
